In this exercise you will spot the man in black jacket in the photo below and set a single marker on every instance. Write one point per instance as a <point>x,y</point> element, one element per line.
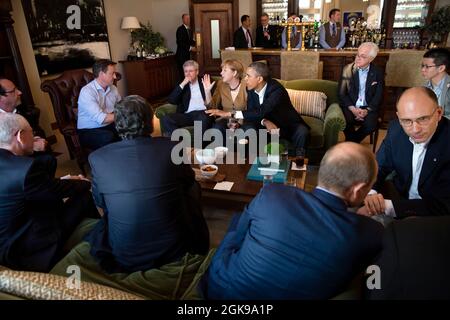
<point>242,38</point>
<point>266,34</point>
<point>361,93</point>
<point>35,221</point>
<point>189,96</point>
<point>185,43</point>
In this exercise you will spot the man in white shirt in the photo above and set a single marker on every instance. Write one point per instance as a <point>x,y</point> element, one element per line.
<point>435,65</point>
<point>96,102</point>
<point>189,96</point>
<point>415,154</point>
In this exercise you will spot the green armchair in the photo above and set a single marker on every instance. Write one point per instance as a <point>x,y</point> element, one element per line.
<point>324,133</point>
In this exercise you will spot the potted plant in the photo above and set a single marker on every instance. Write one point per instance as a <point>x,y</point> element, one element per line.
<point>439,26</point>
<point>145,38</point>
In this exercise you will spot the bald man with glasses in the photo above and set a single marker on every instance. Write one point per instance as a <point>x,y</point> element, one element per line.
<point>416,157</point>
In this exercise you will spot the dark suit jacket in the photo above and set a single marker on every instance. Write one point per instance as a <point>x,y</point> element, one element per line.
<point>349,87</point>
<point>239,40</point>
<point>276,107</point>
<point>142,193</point>
<point>290,244</point>
<point>31,206</point>
<point>262,41</point>
<point>184,42</point>
<point>395,154</point>
<point>181,97</point>
<point>414,262</point>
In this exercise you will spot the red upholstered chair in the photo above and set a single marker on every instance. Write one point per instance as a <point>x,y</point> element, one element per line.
<point>64,91</point>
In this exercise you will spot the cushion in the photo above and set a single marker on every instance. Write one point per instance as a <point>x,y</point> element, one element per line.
<point>309,103</point>
<point>35,285</point>
<point>176,280</point>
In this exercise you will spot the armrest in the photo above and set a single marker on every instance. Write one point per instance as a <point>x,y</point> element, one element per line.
<point>333,123</point>
<point>165,109</point>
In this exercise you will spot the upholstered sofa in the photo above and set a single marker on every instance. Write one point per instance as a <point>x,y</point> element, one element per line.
<point>324,130</point>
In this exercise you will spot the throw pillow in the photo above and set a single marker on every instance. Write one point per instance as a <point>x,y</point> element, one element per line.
<point>309,103</point>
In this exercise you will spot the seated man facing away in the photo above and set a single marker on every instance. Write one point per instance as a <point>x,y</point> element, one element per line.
<point>269,107</point>
<point>435,68</point>
<point>361,93</point>
<point>35,222</point>
<point>415,150</point>
<point>95,107</point>
<point>290,244</point>
<point>152,215</point>
<point>189,96</point>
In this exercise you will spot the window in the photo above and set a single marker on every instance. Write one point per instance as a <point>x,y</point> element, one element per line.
<point>310,9</point>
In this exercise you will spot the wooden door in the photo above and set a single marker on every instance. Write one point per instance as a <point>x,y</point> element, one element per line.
<point>213,31</point>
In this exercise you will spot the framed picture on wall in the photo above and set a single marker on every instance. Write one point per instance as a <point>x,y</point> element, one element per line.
<point>351,16</point>
<point>66,34</point>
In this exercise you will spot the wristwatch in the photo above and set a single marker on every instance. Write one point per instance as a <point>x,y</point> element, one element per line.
<point>233,114</point>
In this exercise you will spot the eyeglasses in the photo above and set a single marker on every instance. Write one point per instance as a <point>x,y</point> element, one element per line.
<point>428,66</point>
<point>10,91</point>
<point>422,121</point>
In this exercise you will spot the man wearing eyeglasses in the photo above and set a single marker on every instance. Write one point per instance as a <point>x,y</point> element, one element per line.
<point>10,100</point>
<point>361,93</point>
<point>416,155</point>
<point>435,67</point>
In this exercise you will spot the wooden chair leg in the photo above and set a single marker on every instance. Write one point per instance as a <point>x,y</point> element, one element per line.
<point>375,140</point>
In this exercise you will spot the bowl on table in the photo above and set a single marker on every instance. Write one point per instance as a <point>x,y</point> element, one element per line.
<point>205,156</point>
<point>209,170</point>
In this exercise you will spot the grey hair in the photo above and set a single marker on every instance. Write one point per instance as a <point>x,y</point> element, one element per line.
<point>133,117</point>
<point>10,124</point>
<point>373,48</point>
<point>341,169</point>
<point>191,63</point>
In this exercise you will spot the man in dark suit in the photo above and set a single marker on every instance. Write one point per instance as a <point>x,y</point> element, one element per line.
<point>414,262</point>
<point>361,93</point>
<point>266,34</point>
<point>152,206</point>
<point>416,153</point>
<point>242,38</point>
<point>35,222</point>
<point>189,96</point>
<point>290,244</point>
<point>185,43</point>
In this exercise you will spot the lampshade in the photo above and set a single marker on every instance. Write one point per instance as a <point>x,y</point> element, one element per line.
<point>130,23</point>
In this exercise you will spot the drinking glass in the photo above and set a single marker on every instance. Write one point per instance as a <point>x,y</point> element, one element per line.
<point>299,157</point>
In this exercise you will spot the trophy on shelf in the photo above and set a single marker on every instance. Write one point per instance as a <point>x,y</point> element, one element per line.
<point>295,22</point>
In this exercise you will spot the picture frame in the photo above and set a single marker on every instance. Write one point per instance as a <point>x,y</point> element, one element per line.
<point>66,34</point>
<point>350,16</point>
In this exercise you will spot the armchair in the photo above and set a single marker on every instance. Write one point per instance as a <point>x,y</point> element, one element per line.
<point>64,91</point>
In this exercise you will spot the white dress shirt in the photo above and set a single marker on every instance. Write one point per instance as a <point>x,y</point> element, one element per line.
<point>196,103</point>
<point>260,94</point>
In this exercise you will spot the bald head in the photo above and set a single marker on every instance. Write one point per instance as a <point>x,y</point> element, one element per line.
<point>419,113</point>
<point>345,165</point>
<point>16,134</point>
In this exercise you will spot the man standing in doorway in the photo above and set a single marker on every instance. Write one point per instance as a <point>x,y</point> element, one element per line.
<point>185,43</point>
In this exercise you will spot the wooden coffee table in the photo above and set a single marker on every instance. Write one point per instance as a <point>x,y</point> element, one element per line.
<point>243,190</point>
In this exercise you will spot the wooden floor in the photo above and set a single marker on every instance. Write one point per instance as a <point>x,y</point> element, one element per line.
<point>217,217</point>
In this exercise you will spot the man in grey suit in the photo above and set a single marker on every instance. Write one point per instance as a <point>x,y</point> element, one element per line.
<point>435,68</point>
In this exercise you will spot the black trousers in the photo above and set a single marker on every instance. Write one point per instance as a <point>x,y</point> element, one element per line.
<point>98,137</point>
<point>366,127</point>
<point>174,121</point>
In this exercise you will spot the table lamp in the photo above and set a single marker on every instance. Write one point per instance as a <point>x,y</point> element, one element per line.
<point>130,23</point>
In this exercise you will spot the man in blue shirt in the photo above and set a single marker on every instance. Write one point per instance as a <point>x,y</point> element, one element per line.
<point>332,35</point>
<point>95,107</point>
<point>296,35</point>
<point>361,93</point>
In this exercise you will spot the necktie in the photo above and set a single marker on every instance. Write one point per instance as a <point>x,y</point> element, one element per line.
<point>249,38</point>
<point>334,29</point>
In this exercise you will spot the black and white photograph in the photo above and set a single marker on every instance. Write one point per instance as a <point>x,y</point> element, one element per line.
<point>66,34</point>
